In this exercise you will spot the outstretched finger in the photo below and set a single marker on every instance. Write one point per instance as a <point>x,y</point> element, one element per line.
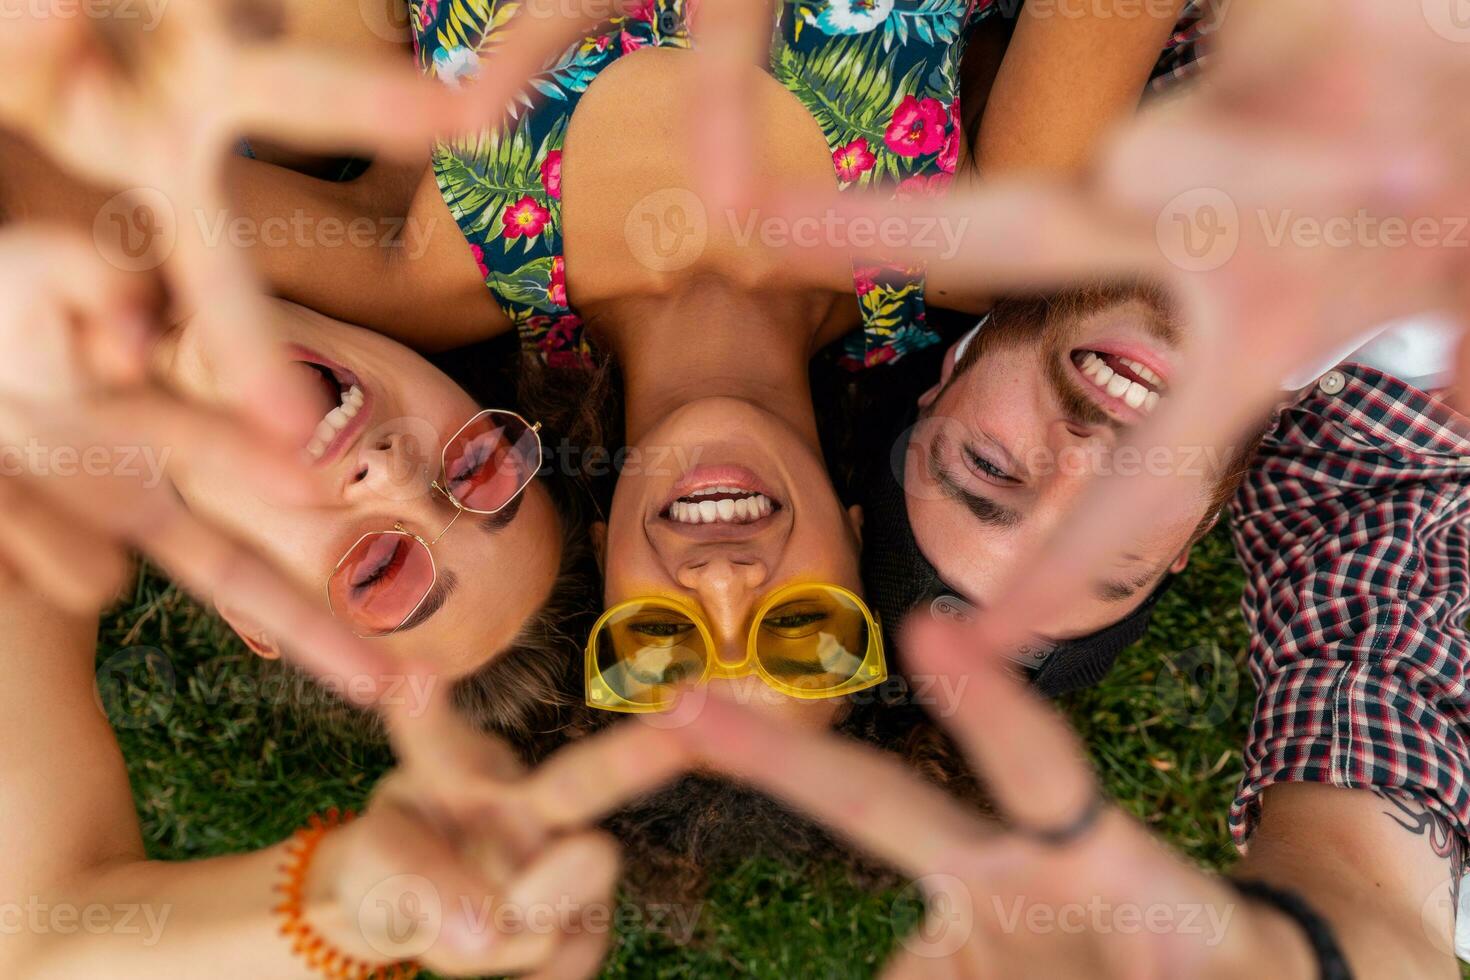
<point>334,104</point>
<point>215,281</point>
<point>552,900</point>
<point>1033,765</point>
<point>591,778</point>
<point>869,798</point>
<point>578,955</point>
<point>731,37</point>
<point>210,564</point>
<point>1011,235</point>
<point>183,438</point>
<point>438,748</point>
<point>540,31</point>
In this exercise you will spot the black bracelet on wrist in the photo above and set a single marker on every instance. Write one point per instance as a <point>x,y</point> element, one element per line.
<point>1332,964</point>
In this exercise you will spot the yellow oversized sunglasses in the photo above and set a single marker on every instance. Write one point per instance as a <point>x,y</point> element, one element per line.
<point>809,641</point>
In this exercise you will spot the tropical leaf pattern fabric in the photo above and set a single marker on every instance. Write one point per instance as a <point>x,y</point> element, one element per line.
<point>881,78</point>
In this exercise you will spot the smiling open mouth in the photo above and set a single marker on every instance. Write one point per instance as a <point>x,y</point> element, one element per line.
<point>721,505</point>
<point>342,399</point>
<point>1121,378</point>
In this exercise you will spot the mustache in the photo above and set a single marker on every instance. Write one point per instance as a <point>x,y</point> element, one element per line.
<point>1073,400</point>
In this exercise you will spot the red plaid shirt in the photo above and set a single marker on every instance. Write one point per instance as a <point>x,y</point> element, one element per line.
<point>1354,529</point>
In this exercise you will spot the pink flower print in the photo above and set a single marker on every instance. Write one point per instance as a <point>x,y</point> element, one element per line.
<point>880,356</point>
<point>557,290</point>
<point>551,174</point>
<point>632,42</point>
<point>854,160</point>
<point>917,127</point>
<point>525,218</point>
<point>922,185</point>
<point>949,157</point>
<point>479,254</point>
<point>866,279</point>
<point>562,333</point>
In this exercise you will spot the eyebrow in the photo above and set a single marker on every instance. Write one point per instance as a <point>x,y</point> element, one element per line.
<point>443,588</point>
<point>1122,590</point>
<point>984,510</point>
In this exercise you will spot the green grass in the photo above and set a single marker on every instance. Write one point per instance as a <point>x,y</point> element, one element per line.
<point>215,770</point>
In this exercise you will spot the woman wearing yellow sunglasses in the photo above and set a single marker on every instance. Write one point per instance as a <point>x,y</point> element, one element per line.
<point>809,641</point>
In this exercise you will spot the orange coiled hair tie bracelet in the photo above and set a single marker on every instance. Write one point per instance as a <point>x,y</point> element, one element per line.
<point>306,942</point>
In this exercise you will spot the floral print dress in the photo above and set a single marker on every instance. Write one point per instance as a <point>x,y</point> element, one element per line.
<point>881,78</point>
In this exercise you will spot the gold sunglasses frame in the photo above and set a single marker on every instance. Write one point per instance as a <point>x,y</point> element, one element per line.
<point>459,510</point>
<point>872,671</point>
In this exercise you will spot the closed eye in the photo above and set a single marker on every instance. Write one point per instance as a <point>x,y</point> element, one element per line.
<point>984,467</point>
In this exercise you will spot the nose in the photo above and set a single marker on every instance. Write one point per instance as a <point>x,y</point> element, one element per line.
<point>726,586</point>
<point>393,469</point>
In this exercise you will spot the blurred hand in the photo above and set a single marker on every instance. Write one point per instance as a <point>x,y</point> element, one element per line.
<point>159,104</point>
<point>1277,201</point>
<point>1001,902</point>
<point>86,442</point>
<point>497,870</point>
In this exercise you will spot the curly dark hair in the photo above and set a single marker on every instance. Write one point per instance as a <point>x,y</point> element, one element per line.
<point>679,839</point>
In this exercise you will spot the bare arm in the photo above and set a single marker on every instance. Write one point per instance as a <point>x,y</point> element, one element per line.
<point>395,262</point>
<point>1071,72</point>
<point>1384,873</point>
<point>78,896</point>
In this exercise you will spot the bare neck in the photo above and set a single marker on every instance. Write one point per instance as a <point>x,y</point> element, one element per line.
<point>713,340</point>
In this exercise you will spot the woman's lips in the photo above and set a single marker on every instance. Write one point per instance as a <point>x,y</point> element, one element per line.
<point>728,496</point>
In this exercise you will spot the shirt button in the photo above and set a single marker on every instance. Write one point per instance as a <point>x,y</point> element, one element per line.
<point>1332,382</point>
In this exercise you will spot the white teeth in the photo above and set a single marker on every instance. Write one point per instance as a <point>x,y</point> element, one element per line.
<point>727,511</point>
<point>1118,385</point>
<point>335,421</point>
<point>1151,402</point>
<point>1142,370</point>
<point>1136,395</point>
<point>1103,375</point>
<point>711,491</point>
